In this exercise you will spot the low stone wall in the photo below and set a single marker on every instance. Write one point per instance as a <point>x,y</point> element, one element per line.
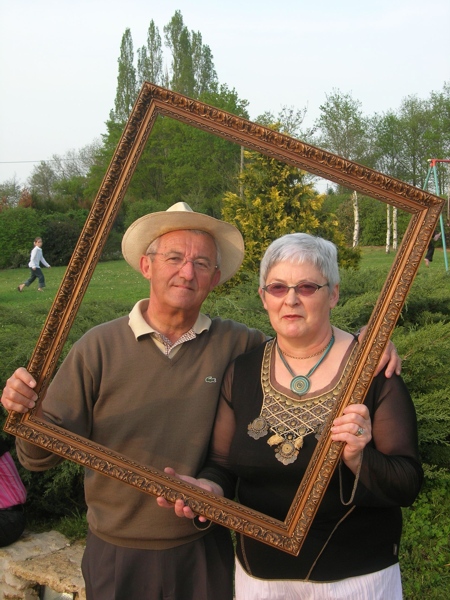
<point>41,565</point>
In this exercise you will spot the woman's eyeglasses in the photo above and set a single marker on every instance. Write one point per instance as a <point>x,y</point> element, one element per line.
<point>301,289</point>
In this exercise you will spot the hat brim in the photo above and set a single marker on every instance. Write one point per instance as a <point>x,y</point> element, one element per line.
<point>145,230</point>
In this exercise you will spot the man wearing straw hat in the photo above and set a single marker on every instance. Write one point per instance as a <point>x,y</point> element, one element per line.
<point>147,386</point>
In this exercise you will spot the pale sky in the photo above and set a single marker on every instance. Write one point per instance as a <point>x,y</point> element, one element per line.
<point>58,60</point>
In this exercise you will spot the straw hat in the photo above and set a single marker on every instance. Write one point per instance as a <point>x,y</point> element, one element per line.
<point>142,232</point>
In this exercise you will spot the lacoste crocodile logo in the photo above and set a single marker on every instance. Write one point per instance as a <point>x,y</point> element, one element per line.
<point>210,379</point>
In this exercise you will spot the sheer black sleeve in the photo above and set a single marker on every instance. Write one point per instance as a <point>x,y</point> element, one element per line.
<point>391,473</point>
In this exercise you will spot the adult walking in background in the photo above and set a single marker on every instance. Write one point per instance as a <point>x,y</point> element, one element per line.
<point>36,258</point>
<point>274,402</point>
<point>430,250</point>
<point>12,498</point>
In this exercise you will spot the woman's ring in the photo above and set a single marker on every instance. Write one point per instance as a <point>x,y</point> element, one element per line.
<point>359,432</point>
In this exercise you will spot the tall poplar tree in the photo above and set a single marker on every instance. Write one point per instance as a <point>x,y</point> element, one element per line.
<point>192,64</point>
<point>150,58</point>
<point>178,40</point>
<point>126,80</point>
<point>205,75</point>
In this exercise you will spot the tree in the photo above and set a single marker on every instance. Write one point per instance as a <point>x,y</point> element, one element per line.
<point>193,71</point>
<point>344,131</point>
<point>388,145</point>
<point>205,75</point>
<point>438,134</point>
<point>414,118</point>
<point>178,39</point>
<point>342,127</point>
<point>276,200</point>
<point>126,80</point>
<point>76,163</point>
<point>26,199</point>
<point>355,218</point>
<point>181,162</point>
<point>61,184</point>
<point>289,120</point>
<point>150,58</point>
<point>390,159</point>
<point>42,180</point>
<point>405,139</point>
<point>9,193</point>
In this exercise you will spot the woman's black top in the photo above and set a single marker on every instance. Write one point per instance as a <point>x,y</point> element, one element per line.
<point>343,541</point>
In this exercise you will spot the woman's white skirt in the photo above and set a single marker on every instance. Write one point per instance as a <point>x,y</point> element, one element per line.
<point>382,585</point>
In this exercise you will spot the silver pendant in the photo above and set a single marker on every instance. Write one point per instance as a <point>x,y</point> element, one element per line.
<point>286,453</point>
<point>258,428</point>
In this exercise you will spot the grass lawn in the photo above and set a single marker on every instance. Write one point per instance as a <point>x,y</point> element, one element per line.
<point>116,284</point>
<point>112,292</point>
<point>116,279</point>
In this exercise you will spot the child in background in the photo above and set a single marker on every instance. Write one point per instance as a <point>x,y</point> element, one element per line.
<point>36,258</point>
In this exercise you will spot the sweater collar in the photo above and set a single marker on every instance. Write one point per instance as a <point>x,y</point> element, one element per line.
<point>140,327</point>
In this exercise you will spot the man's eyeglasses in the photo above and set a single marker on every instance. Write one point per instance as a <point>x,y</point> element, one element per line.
<point>177,261</point>
<point>301,289</point>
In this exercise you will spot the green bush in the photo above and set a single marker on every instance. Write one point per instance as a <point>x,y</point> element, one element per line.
<point>428,300</point>
<point>18,229</point>
<point>425,547</point>
<point>60,238</point>
<point>425,351</point>
<point>20,226</point>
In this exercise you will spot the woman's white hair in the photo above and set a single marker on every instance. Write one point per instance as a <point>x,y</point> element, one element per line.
<point>298,248</point>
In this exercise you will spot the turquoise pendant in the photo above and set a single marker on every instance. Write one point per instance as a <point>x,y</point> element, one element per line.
<point>300,385</point>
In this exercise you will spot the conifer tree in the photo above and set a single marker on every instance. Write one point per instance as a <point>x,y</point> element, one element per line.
<point>276,199</point>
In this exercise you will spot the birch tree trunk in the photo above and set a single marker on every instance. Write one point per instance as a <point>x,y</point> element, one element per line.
<point>394,228</point>
<point>356,219</point>
<point>241,187</point>
<point>388,228</point>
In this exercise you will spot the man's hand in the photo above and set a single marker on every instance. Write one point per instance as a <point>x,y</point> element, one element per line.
<point>19,394</point>
<point>180,508</point>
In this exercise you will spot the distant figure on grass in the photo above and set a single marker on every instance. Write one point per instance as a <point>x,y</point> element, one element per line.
<point>430,249</point>
<point>36,258</point>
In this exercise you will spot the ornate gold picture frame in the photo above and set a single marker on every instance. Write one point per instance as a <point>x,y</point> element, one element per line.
<point>425,208</point>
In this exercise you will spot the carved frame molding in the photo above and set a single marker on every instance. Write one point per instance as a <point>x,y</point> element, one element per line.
<point>152,101</point>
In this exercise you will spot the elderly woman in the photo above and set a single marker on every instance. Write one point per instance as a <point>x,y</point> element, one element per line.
<point>275,401</point>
